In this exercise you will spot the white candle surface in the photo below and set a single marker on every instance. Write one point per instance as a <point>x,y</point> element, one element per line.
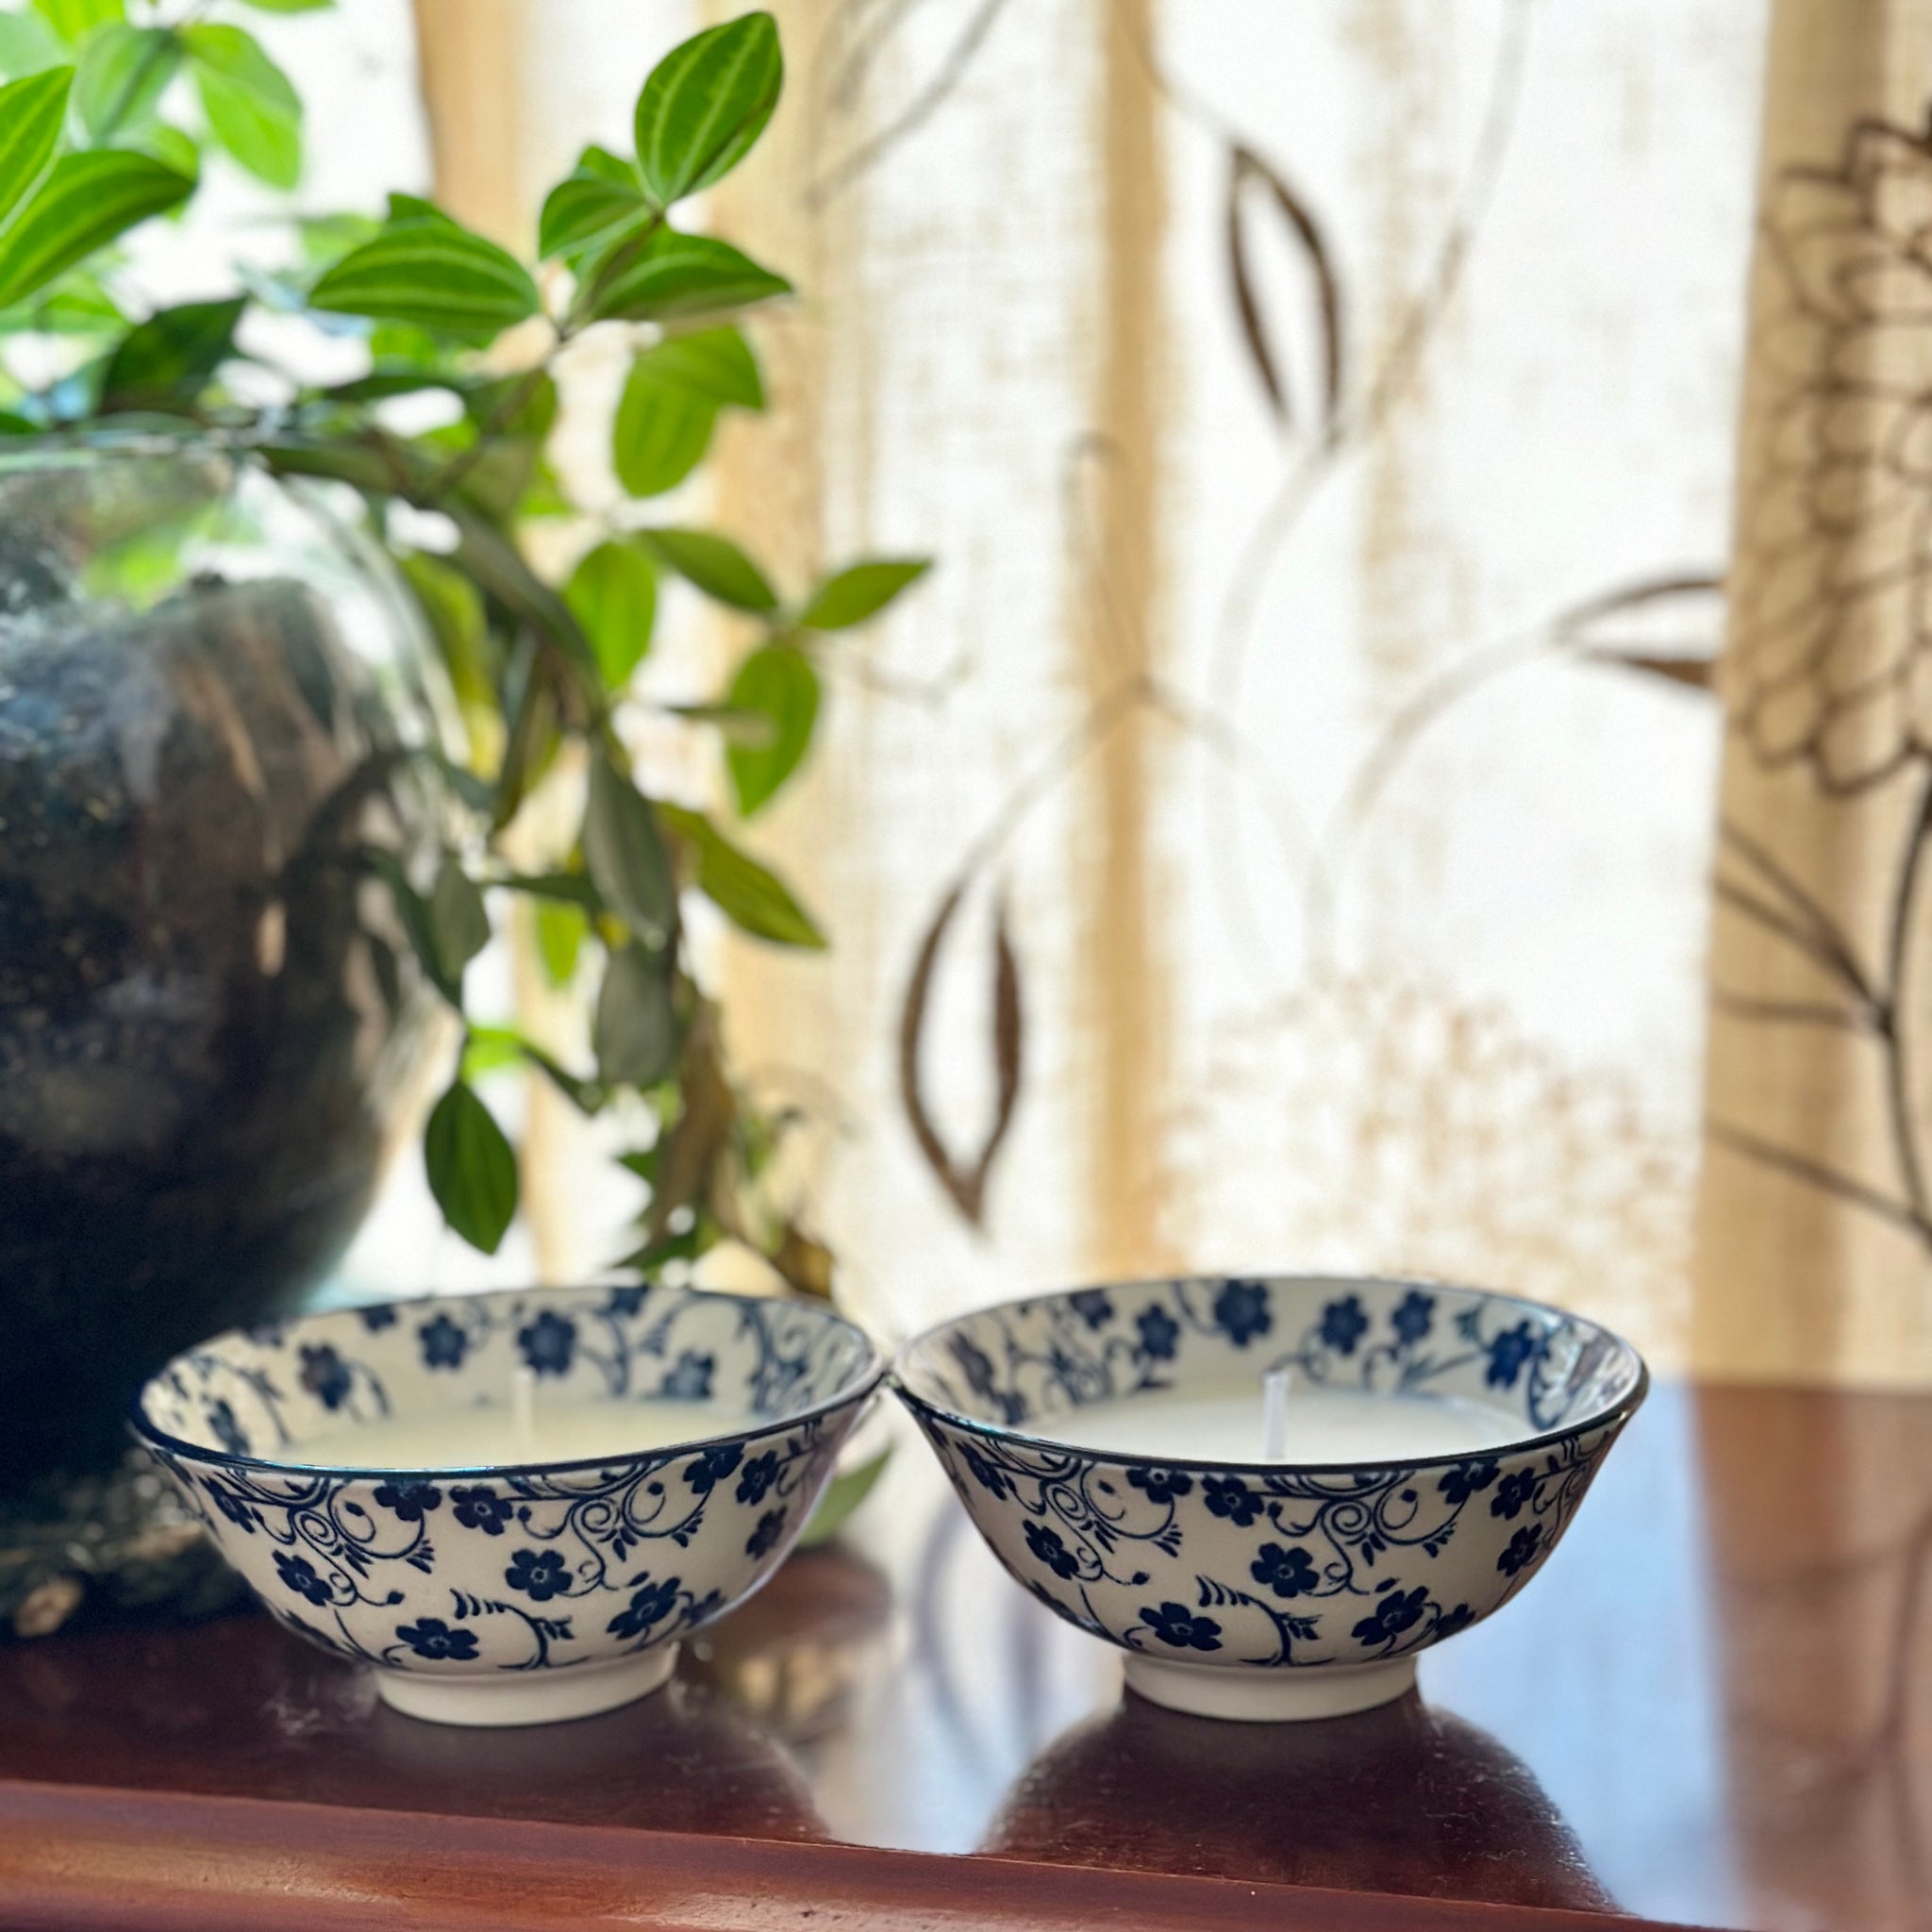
<point>1317,1426</point>
<point>496,1436</point>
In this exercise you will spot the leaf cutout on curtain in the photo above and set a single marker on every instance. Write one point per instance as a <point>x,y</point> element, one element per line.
<point>867,39</point>
<point>1670,628</point>
<point>1248,169</point>
<point>964,1182</point>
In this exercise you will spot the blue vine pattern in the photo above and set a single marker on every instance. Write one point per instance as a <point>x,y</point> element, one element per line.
<point>1270,1566</point>
<point>534,1569</point>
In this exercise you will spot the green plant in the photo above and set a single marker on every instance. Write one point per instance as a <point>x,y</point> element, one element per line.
<point>94,143</point>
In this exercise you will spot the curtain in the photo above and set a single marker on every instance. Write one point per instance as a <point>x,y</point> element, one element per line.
<point>1278,833</point>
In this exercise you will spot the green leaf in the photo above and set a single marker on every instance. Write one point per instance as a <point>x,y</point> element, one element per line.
<point>289,6</point>
<point>671,402</point>
<point>172,148</point>
<point>716,363</point>
<point>673,276</point>
<point>122,75</point>
<point>458,919</point>
<point>751,897</point>
<point>433,274</point>
<point>850,596</point>
<point>454,609</point>
<point>31,111</point>
<point>414,208</point>
<point>704,104</point>
<point>584,210</point>
<point>635,1031</point>
<point>715,565</point>
<point>561,930</point>
<point>472,1169</point>
<point>614,593</point>
<point>842,1495</point>
<point>28,44</point>
<point>625,856</point>
<point>251,108</point>
<point>780,683</point>
<point>169,359</point>
<point>86,201</point>
<point>73,20</point>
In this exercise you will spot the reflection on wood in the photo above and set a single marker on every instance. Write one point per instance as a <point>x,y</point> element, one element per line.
<point>1820,1509</point>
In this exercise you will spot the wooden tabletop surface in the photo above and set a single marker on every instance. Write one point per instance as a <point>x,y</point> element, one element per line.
<point>1708,1708</point>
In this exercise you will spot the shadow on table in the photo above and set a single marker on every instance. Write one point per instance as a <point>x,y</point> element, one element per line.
<point>1404,1799</point>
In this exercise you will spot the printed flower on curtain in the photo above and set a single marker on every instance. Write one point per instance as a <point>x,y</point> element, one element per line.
<point>1830,654</point>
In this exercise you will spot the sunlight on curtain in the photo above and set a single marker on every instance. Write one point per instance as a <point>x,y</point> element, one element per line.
<point>1289,800</point>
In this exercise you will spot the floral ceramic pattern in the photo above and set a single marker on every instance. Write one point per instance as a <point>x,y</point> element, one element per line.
<point>511,1570</point>
<point>1269,1566</point>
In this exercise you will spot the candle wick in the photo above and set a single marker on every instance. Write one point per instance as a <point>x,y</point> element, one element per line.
<point>1274,1415</point>
<point>523,1411</point>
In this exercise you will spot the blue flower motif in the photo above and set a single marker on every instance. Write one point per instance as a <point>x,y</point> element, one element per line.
<point>1343,1325</point>
<point>984,1474</point>
<point>1048,1548</point>
<point>379,1318</point>
<point>548,1343</point>
<point>1508,1352</point>
<point>649,1605</point>
<point>1523,1548</point>
<point>1467,1479</point>
<point>228,1432</point>
<point>625,1300</point>
<point>1460,1618</point>
<point>1413,1314</point>
<point>974,1364</point>
<point>1393,1614</point>
<point>431,1638</point>
<point>231,1505</point>
<point>758,1475</point>
<point>1240,1311</point>
<point>326,1375</point>
<point>1160,1485</point>
<point>410,1501</point>
<point>1514,1493</point>
<point>1159,1331</point>
<point>444,1344</point>
<point>765,1538</point>
<point>1093,1306</point>
<point>476,1507</point>
<point>1177,1625</point>
<point>689,1379</point>
<point>713,1467</point>
<point>537,1573</point>
<point>1229,1496</point>
<point>298,1573</point>
<point>1285,1572</point>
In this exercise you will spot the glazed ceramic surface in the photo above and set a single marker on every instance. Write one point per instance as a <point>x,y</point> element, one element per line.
<point>512,1594</point>
<point>1267,1590</point>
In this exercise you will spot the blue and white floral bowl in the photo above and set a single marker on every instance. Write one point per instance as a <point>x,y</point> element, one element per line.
<point>509,1595</point>
<point>1268,1590</point>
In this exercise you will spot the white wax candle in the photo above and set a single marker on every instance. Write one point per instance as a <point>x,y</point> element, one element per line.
<point>496,1436</point>
<point>1318,1425</point>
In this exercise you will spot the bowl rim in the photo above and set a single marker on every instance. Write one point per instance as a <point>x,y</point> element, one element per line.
<point>869,1373</point>
<point>1617,1412</point>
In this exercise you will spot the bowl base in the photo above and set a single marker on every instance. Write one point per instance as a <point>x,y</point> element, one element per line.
<point>539,1697</point>
<point>1282,1696</point>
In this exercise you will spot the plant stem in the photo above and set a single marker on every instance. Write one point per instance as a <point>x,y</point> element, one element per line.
<point>1905,1128</point>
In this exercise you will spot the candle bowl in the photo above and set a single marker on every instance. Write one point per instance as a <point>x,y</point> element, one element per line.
<point>1249,1589</point>
<point>518,1593</point>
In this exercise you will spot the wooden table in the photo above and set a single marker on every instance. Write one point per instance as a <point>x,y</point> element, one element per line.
<point>1708,1708</point>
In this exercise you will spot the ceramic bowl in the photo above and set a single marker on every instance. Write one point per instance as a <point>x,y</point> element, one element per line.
<point>1268,1590</point>
<point>514,1593</point>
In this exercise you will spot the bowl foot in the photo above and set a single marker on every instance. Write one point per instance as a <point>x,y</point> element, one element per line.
<point>538,1697</point>
<point>1269,1697</point>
